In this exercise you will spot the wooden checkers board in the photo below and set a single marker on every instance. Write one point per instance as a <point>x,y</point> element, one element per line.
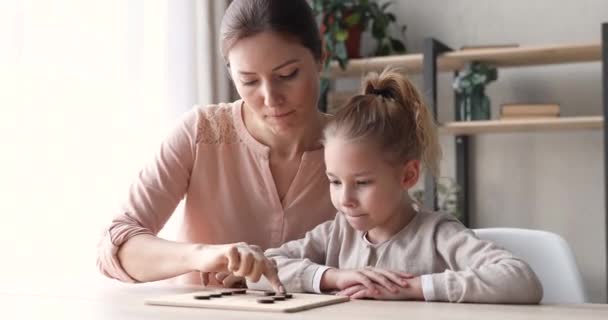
<point>247,300</point>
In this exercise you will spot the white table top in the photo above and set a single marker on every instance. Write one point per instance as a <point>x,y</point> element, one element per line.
<point>106,299</point>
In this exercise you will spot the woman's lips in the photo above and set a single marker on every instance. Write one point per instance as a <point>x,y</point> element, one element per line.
<point>281,115</point>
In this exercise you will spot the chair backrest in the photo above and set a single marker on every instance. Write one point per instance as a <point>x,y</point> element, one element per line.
<point>549,256</point>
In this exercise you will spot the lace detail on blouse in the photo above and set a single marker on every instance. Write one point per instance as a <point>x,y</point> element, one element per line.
<point>216,126</point>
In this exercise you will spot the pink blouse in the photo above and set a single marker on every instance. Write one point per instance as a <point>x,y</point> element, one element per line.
<point>224,174</point>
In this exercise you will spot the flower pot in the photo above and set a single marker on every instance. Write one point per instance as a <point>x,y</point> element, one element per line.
<point>473,105</point>
<point>353,42</point>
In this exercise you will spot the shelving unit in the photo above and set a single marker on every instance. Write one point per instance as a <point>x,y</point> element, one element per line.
<point>455,60</point>
<point>524,125</point>
<point>437,57</point>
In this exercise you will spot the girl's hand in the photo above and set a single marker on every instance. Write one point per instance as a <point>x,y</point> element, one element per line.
<point>369,277</point>
<point>412,292</point>
<point>238,259</point>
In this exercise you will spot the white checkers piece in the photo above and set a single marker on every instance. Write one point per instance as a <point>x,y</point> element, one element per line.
<point>250,300</point>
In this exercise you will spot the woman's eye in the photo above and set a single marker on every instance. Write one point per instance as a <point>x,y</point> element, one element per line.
<point>364,182</point>
<point>249,83</point>
<point>334,182</point>
<point>292,75</point>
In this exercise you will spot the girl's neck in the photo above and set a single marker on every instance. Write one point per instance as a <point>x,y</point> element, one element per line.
<point>401,217</point>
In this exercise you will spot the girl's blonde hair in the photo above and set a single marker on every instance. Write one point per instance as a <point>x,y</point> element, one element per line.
<point>390,112</point>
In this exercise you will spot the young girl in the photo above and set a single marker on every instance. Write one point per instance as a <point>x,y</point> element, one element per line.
<point>382,245</point>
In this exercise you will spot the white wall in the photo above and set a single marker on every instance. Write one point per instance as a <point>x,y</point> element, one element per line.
<point>551,181</point>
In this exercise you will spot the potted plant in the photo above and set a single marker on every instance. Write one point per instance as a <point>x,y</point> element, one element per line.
<point>447,196</point>
<point>343,21</point>
<point>472,103</point>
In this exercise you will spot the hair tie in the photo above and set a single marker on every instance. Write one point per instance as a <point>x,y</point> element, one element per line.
<point>382,92</point>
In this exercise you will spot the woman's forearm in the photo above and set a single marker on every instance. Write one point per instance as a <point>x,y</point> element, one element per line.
<point>149,258</point>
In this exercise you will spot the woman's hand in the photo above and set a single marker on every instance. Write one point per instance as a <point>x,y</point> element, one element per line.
<point>369,277</point>
<point>412,292</point>
<point>238,259</point>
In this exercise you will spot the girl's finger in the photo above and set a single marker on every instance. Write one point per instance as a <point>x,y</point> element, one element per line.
<point>394,277</point>
<point>380,279</point>
<point>352,290</point>
<point>362,294</point>
<point>367,282</point>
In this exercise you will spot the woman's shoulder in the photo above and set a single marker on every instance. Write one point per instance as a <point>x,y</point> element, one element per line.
<point>214,124</point>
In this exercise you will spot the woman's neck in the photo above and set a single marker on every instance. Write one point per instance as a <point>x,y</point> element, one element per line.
<point>288,144</point>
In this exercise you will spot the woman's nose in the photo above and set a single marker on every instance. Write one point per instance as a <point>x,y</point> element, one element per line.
<point>272,96</point>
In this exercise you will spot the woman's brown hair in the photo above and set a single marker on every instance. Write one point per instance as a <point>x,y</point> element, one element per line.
<point>391,114</point>
<point>291,18</point>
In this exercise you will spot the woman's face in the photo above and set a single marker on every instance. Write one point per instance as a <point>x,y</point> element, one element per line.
<point>278,79</point>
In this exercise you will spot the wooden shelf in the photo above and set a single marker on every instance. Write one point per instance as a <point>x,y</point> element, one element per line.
<point>455,60</point>
<point>527,125</point>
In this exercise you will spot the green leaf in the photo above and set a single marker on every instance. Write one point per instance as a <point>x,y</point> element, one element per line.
<point>353,19</point>
<point>386,5</point>
<point>378,30</point>
<point>391,17</point>
<point>383,50</point>
<point>398,46</point>
<point>342,35</point>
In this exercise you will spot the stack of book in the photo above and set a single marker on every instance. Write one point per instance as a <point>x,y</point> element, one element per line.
<point>529,111</point>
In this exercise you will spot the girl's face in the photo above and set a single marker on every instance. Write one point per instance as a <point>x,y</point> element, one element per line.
<point>278,79</point>
<point>370,192</point>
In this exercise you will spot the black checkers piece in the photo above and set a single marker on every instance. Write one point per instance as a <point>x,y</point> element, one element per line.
<point>288,295</point>
<point>215,295</point>
<point>265,300</point>
<point>202,297</point>
<point>240,291</point>
<point>269,293</point>
<point>279,298</point>
<point>226,293</point>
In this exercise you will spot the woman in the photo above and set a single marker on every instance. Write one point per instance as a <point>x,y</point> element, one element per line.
<point>251,171</point>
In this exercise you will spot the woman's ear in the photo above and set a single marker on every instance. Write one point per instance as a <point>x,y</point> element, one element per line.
<point>410,174</point>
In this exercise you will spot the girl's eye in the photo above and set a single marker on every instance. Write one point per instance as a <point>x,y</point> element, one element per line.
<point>290,76</point>
<point>364,182</point>
<point>334,182</point>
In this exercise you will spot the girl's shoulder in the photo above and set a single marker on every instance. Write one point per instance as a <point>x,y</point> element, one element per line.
<point>438,221</point>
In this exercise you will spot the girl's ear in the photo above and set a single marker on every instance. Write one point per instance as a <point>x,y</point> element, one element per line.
<point>410,174</point>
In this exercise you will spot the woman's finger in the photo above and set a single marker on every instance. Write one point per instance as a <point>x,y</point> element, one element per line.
<point>256,271</point>
<point>232,281</point>
<point>271,273</point>
<point>246,265</point>
<point>234,259</point>
<point>205,278</point>
<point>220,276</point>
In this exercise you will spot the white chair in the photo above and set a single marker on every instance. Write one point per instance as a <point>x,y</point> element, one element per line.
<point>549,256</point>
